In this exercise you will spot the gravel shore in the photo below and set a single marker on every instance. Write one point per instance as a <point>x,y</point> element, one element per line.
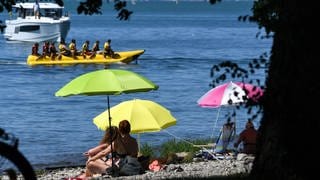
<point>198,169</point>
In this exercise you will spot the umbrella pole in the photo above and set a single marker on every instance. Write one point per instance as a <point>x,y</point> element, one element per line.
<point>112,163</point>
<point>138,142</point>
<point>215,123</point>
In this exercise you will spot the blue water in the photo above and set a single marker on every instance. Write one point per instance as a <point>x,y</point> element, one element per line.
<point>182,42</point>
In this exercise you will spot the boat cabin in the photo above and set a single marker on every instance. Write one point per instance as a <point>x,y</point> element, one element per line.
<point>49,10</point>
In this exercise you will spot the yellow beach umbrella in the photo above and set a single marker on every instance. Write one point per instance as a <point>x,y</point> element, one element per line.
<point>143,115</point>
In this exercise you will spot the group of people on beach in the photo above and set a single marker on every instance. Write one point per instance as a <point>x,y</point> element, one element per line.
<point>116,145</point>
<point>247,137</point>
<point>49,50</point>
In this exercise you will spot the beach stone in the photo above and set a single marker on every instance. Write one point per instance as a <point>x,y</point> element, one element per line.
<point>201,169</point>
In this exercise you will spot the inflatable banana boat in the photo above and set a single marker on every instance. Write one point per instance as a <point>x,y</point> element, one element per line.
<point>119,57</point>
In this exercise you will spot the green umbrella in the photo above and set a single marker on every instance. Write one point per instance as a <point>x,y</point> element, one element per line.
<point>107,82</point>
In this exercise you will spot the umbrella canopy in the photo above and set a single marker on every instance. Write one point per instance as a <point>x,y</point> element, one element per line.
<point>143,115</point>
<point>107,82</point>
<point>230,94</point>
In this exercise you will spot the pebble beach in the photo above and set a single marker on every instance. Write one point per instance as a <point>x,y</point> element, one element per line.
<point>198,169</point>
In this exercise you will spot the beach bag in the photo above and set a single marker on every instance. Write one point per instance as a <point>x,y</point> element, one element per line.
<point>129,166</point>
<point>144,161</point>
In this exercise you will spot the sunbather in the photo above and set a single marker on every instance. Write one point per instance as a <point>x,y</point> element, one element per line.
<point>248,137</point>
<point>122,144</point>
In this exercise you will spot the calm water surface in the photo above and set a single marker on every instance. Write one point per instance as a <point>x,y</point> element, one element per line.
<point>181,41</point>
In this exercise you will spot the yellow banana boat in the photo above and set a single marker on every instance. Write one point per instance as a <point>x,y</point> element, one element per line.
<point>120,57</point>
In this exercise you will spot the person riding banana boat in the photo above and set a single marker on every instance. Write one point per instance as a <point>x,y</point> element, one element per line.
<point>85,51</point>
<point>63,50</point>
<point>68,55</point>
<point>73,49</point>
<point>107,50</point>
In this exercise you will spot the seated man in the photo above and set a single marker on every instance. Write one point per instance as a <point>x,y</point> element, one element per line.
<point>52,51</point>
<point>85,50</point>
<point>248,137</point>
<point>34,51</point>
<point>45,49</point>
<point>107,50</point>
<point>63,49</point>
<point>95,49</point>
<point>73,49</point>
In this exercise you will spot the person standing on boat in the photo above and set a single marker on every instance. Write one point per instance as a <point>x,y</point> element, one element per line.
<point>36,10</point>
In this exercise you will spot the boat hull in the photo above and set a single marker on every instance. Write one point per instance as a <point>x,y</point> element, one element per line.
<point>43,31</point>
<point>24,26</point>
<point>123,57</point>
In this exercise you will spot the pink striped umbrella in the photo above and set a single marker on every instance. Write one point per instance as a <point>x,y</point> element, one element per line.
<point>231,93</point>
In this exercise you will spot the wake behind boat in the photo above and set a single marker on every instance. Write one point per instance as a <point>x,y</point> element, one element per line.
<point>27,25</point>
<point>121,57</point>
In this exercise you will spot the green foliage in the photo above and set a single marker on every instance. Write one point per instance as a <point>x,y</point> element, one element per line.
<point>174,146</point>
<point>214,1</point>
<point>229,70</point>
<point>90,7</point>
<point>6,4</point>
<point>266,14</point>
<point>124,13</point>
<point>147,150</point>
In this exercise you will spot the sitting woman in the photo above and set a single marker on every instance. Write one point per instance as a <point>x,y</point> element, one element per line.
<point>130,143</point>
<point>104,143</point>
<point>122,144</point>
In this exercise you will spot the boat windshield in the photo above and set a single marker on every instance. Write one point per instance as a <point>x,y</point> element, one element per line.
<point>51,13</point>
<point>47,9</point>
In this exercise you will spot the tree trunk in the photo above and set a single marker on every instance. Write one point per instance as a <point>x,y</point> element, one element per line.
<point>288,134</point>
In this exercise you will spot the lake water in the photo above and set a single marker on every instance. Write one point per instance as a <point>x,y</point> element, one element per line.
<point>182,42</point>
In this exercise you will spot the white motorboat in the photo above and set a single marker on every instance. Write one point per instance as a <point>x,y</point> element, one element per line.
<point>52,24</point>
